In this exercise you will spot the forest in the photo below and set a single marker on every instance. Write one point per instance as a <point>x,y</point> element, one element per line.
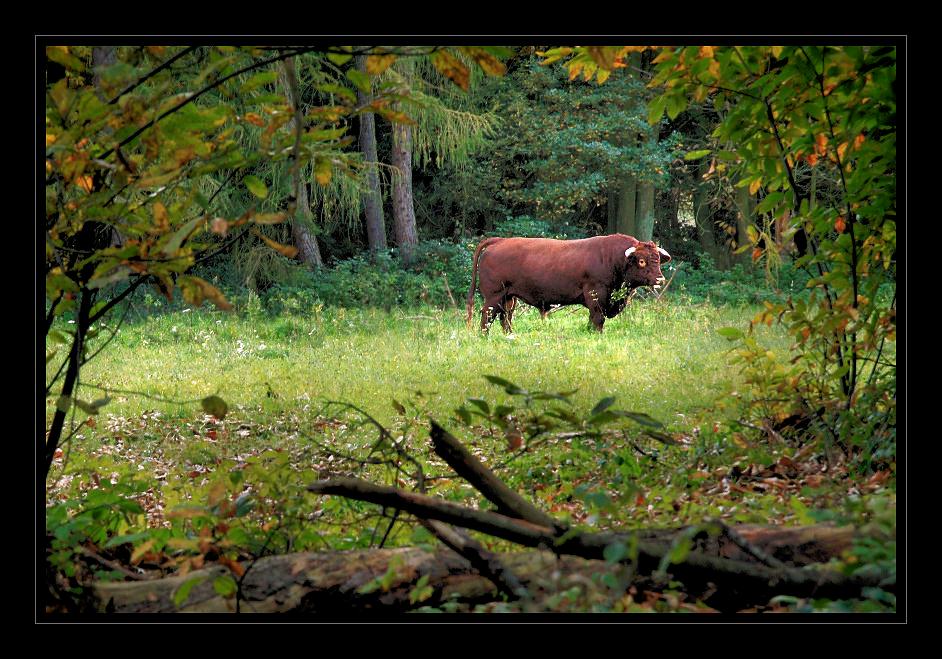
<point>323,330</point>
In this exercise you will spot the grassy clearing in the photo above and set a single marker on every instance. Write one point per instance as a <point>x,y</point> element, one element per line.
<point>239,484</point>
<point>662,359</point>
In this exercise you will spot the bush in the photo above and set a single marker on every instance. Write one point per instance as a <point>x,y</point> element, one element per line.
<point>737,286</point>
<point>439,267</point>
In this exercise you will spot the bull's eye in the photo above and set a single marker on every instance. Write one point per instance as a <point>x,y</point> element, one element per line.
<point>642,262</point>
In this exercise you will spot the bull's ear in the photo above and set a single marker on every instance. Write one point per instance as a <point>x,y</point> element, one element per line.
<point>665,256</point>
<point>630,251</point>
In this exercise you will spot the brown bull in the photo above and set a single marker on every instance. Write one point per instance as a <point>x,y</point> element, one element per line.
<point>544,273</point>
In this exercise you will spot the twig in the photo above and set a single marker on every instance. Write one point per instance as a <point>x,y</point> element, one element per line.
<point>470,468</point>
<point>113,565</point>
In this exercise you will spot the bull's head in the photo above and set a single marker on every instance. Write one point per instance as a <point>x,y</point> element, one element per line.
<point>643,266</point>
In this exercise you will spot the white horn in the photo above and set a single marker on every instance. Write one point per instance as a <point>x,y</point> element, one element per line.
<point>629,251</point>
<point>664,252</point>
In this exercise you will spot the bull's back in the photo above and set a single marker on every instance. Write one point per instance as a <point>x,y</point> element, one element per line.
<point>544,270</point>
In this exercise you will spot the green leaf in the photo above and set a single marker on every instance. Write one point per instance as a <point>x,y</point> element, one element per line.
<point>339,58</point>
<point>464,415</point>
<point>173,245</point>
<point>215,406</point>
<point>656,109</point>
<point>182,593</point>
<point>258,80</point>
<point>731,333</point>
<point>481,404</point>
<point>398,406</point>
<point>256,186</point>
<point>63,404</point>
<point>696,155</point>
<point>500,382</point>
<point>615,552</point>
<point>770,202</point>
<point>359,79</point>
<point>640,417</point>
<point>602,405</point>
<point>225,585</point>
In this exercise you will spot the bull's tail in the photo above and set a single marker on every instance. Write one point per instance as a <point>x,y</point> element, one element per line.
<point>474,271</point>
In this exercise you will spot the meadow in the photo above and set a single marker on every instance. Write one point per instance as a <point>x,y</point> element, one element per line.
<point>665,359</point>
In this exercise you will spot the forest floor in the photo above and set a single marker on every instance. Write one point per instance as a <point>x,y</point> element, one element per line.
<point>284,378</point>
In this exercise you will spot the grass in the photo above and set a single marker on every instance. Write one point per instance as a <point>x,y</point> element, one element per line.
<point>276,372</point>
<point>661,359</point>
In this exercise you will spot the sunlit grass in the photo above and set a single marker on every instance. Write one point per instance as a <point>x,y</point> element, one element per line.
<point>660,358</point>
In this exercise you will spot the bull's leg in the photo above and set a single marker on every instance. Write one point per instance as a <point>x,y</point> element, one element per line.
<point>593,302</point>
<point>506,318</point>
<point>493,307</point>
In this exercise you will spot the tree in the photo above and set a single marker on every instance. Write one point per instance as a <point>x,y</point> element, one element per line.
<point>826,107</point>
<point>304,238</point>
<point>372,197</point>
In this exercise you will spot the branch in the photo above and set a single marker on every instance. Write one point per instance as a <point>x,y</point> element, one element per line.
<point>470,468</point>
<point>208,88</point>
<point>160,68</point>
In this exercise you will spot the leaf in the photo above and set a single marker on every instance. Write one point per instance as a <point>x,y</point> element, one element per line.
<point>339,58</point>
<point>464,415</point>
<point>225,585</point>
<point>656,109</point>
<point>285,250</point>
<point>359,79</point>
<point>161,218</point>
<point>322,171</point>
<point>256,186</point>
<point>450,67</point>
<point>61,55</point>
<point>615,552</point>
<point>602,405</point>
<point>696,155</point>
<point>182,594</point>
<point>500,382</point>
<point>173,245</point>
<point>398,406</point>
<point>487,61</point>
<point>731,333</point>
<point>640,417</point>
<point>481,404</point>
<point>258,80</point>
<point>376,64</point>
<point>215,406</point>
<point>269,218</point>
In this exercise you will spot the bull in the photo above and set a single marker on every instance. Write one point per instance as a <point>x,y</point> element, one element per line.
<point>544,273</point>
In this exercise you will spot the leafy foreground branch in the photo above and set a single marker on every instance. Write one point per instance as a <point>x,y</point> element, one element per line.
<point>727,570</point>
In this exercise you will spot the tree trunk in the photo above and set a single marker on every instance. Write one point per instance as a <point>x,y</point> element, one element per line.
<point>666,221</point>
<point>403,208</point>
<point>302,221</point>
<point>703,215</point>
<point>331,582</point>
<point>373,197</point>
<point>612,208</point>
<point>625,218</point>
<point>644,206</point>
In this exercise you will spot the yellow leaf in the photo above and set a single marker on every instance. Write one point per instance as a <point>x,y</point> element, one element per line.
<point>488,63</point>
<point>777,50</point>
<point>706,51</point>
<point>322,171</point>
<point>714,68</point>
<point>450,67</point>
<point>841,149</point>
<point>84,182</point>
<point>285,250</point>
<point>254,118</point>
<point>50,139</point>
<point>754,186</point>
<point>821,144</point>
<point>139,551</point>
<point>376,64</point>
<point>161,218</point>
